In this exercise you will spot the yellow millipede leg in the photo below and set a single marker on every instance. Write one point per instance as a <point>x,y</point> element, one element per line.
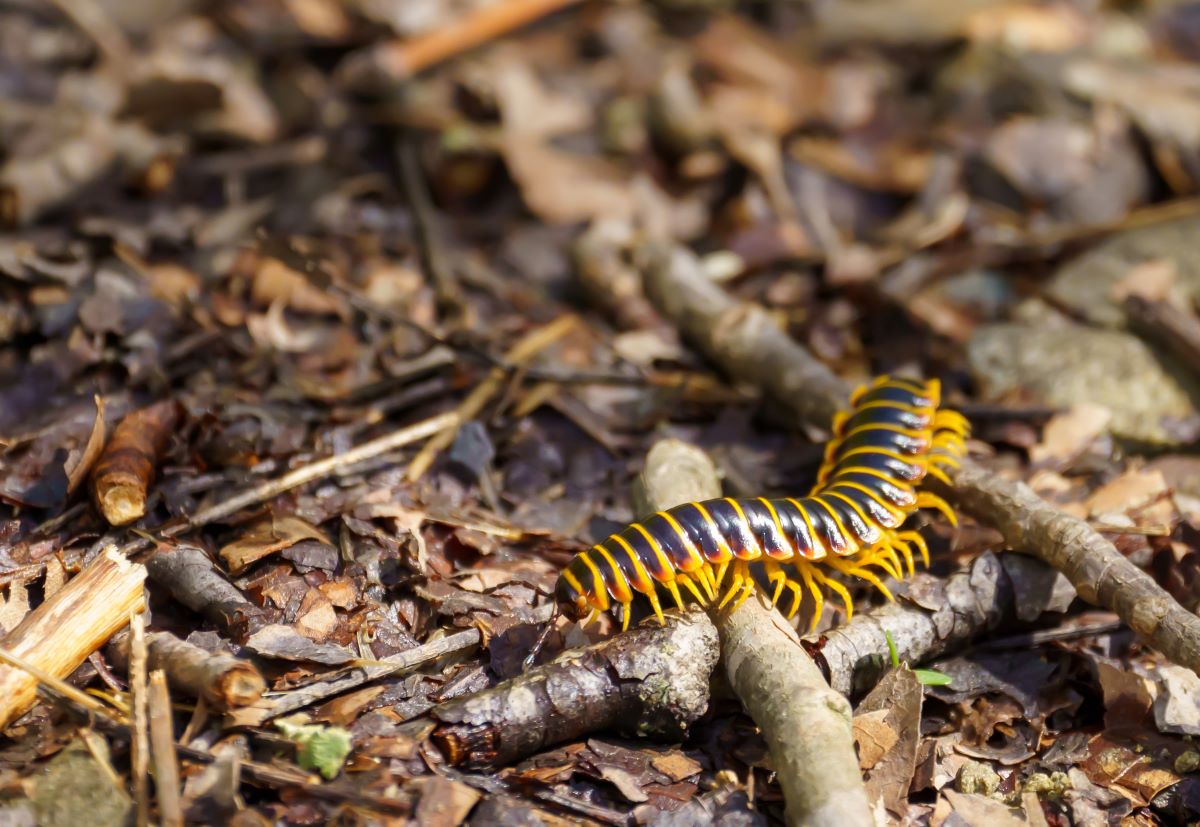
<point>625,615</point>
<point>860,572</point>
<point>837,588</point>
<point>797,597</point>
<point>657,607</point>
<point>776,577</point>
<point>705,576</point>
<point>806,574</point>
<point>721,569</point>
<point>917,540</point>
<point>747,590</point>
<point>735,585</point>
<point>592,615</point>
<point>673,588</point>
<point>690,585</point>
<point>937,473</point>
<point>928,500</point>
<point>885,557</point>
<point>906,550</point>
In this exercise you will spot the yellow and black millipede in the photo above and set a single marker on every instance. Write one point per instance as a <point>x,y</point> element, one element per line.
<point>894,435</point>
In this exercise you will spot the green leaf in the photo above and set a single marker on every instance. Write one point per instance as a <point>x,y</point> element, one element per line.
<point>322,748</point>
<point>892,650</point>
<point>932,677</point>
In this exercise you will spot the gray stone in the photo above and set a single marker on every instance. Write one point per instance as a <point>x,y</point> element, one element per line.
<point>1085,283</point>
<point>1063,363</point>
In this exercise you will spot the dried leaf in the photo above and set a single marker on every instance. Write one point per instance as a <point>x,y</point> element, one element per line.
<point>266,538</point>
<point>1069,433</point>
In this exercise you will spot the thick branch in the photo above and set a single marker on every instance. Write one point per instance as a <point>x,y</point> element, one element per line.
<point>806,724</point>
<point>937,616</point>
<point>744,342</point>
<point>652,680</point>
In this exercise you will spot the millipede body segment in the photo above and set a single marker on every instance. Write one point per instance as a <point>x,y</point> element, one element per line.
<point>719,551</point>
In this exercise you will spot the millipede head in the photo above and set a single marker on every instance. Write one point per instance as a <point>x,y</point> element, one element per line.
<point>570,599</point>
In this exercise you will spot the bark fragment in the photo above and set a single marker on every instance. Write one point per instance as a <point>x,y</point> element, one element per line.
<point>126,470</point>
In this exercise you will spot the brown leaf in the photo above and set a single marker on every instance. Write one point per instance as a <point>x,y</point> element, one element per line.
<point>78,472</point>
<point>887,730</point>
<point>316,618</point>
<point>675,765</point>
<point>444,803</point>
<point>1069,433</point>
<point>1128,492</point>
<point>873,737</point>
<point>268,537</point>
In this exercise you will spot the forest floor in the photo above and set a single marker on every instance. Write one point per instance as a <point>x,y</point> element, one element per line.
<point>335,328</point>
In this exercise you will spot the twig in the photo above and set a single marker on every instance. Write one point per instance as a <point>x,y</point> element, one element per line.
<point>524,350</point>
<point>162,747</point>
<point>139,747</point>
<point>320,469</point>
<point>399,662</point>
<point>58,635</point>
<point>743,340</point>
<point>806,724</point>
<point>433,251</point>
<point>400,59</point>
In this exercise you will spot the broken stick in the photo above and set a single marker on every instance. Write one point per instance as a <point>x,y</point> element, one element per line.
<point>744,341</point>
<point>221,679</point>
<point>58,635</point>
<point>806,724</point>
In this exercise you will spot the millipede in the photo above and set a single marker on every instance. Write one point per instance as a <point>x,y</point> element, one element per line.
<point>894,436</point>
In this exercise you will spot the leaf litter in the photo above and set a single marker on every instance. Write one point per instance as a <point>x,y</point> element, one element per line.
<point>206,215</point>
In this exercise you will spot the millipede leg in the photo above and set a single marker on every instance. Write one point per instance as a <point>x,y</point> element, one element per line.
<point>672,587</point>
<point>721,569</point>
<point>776,577</point>
<point>927,500</point>
<point>625,615</point>
<point>836,588</point>
<point>705,576</point>
<point>747,590</point>
<point>806,574</point>
<point>740,572</point>
<point>937,473</point>
<point>657,607</point>
<point>690,585</point>
<point>917,540</point>
<point>865,574</point>
<point>797,598</point>
<point>906,550</point>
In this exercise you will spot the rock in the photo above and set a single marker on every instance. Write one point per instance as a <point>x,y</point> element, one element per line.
<point>1085,283</point>
<point>74,789</point>
<point>1064,364</point>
